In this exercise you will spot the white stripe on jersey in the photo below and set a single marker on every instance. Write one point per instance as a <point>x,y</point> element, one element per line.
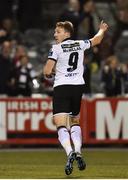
<point>69,56</point>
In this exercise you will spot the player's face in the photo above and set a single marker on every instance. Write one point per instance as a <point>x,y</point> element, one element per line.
<point>60,34</point>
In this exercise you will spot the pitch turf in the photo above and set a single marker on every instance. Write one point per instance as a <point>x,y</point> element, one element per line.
<point>50,164</point>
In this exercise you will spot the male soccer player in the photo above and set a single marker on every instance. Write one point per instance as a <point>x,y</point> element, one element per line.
<point>67,57</point>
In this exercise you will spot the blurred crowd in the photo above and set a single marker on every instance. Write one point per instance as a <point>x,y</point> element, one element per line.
<point>105,72</point>
<point>18,76</point>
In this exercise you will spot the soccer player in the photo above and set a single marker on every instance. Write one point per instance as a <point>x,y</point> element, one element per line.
<point>66,59</point>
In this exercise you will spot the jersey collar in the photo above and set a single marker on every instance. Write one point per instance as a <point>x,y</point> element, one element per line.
<point>66,39</point>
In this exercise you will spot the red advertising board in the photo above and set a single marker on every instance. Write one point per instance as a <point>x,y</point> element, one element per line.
<point>105,121</point>
<point>29,121</point>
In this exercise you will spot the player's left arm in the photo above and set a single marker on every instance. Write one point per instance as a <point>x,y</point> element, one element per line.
<point>100,34</point>
<point>49,68</point>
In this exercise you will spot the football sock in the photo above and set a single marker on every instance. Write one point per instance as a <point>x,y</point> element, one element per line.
<point>64,138</point>
<point>76,137</point>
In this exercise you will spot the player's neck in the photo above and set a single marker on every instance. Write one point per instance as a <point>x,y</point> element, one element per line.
<point>68,38</point>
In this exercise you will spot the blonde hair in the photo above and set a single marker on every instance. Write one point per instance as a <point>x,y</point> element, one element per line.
<point>67,25</point>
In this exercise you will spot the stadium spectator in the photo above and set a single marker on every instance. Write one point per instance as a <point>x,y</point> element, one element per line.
<point>11,31</point>
<point>124,68</point>
<point>111,77</point>
<point>2,35</point>
<point>121,21</point>
<point>21,77</point>
<point>122,6</point>
<point>86,27</point>
<point>19,51</point>
<point>67,57</point>
<point>72,14</point>
<point>5,67</point>
<point>87,77</point>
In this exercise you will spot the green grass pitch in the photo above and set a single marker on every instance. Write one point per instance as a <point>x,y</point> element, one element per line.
<point>46,164</point>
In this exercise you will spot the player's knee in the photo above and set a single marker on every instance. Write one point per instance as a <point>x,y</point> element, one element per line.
<point>60,120</point>
<point>74,120</point>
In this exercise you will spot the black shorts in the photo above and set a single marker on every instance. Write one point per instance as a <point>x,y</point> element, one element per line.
<point>67,99</point>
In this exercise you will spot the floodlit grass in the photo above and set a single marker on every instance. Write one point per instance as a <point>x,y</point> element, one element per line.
<point>50,164</point>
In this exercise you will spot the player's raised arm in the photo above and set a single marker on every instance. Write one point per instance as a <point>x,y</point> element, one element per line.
<point>100,34</point>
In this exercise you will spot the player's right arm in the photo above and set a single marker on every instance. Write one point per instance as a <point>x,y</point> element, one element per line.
<point>100,34</point>
<point>48,68</point>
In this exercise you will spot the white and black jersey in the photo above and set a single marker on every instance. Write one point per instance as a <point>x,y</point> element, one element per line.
<point>69,56</point>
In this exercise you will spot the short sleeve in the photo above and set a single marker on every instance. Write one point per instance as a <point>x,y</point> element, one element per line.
<point>86,44</point>
<point>53,53</point>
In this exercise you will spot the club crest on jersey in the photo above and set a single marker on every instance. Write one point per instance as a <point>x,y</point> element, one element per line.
<point>86,41</point>
<point>50,52</point>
